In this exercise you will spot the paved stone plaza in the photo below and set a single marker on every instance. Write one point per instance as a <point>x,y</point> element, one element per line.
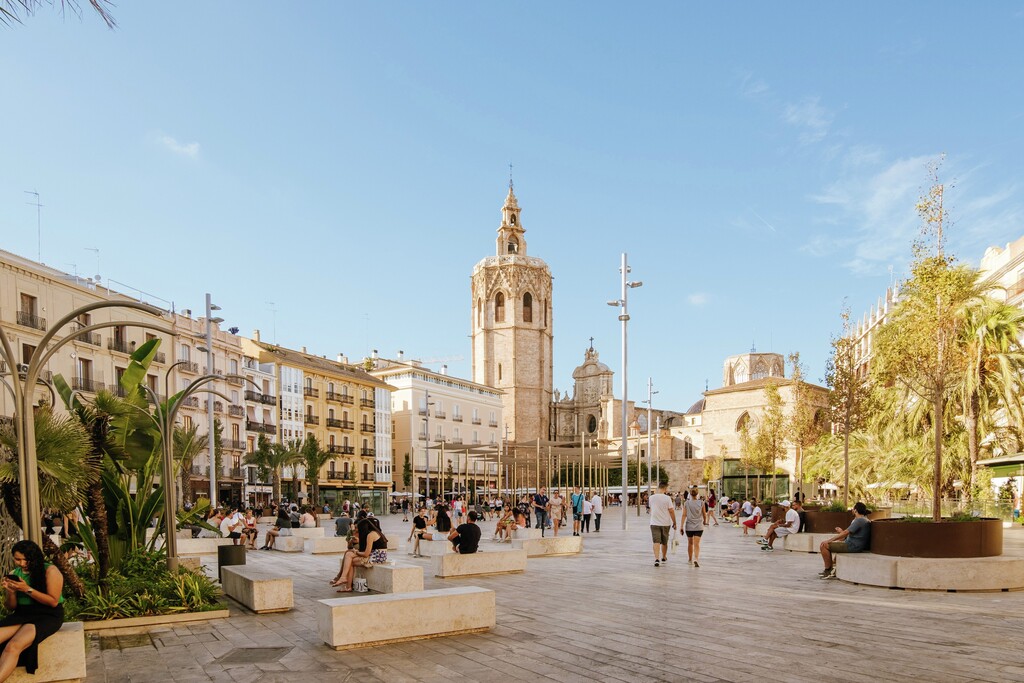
<point>610,615</point>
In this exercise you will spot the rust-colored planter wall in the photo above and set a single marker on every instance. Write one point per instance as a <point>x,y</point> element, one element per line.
<point>820,522</point>
<point>981,538</point>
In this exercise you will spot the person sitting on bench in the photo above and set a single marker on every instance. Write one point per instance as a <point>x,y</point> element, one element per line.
<point>465,538</point>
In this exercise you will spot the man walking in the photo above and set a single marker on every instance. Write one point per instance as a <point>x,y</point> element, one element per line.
<point>695,518</point>
<point>598,509</point>
<point>576,500</point>
<point>540,509</point>
<point>663,519</point>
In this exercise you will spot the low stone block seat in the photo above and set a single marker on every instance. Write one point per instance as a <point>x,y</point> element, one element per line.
<point>525,534</point>
<point>369,620</point>
<point>434,548</point>
<point>326,545</point>
<point>258,589</point>
<point>290,544</point>
<point>309,532</point>
<point>392,578</point>
<point>200,546</point>
<point>550,546</point>
<point>453,565</point>
<point>804,542</point>
<point>1002,573</point>
<point>61,658</point>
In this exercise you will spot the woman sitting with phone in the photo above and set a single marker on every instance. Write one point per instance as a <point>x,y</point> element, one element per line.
<point>33,594</point>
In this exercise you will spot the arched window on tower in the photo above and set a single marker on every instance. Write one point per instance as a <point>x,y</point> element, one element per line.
<point>513,246</point>
<point>499,307</point>
<point>527,308</point>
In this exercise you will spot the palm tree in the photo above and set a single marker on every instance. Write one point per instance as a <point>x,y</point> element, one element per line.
<point>990,388</point>
<point>188,444</point>
<point>10,10</point>
<point>62,448</point>
<point>272,458</point>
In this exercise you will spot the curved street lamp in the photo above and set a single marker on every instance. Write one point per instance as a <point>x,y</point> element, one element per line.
<point>23,391</point>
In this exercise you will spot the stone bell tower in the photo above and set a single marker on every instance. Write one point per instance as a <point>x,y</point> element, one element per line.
<point>512,328</point>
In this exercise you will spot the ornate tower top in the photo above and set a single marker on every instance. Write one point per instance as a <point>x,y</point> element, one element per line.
<point>511,241</point>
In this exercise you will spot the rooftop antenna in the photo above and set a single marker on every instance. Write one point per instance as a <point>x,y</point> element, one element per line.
<point>705,384</point>
<point>753,346</point>
<point>39,224</point>
<point>95,250</point>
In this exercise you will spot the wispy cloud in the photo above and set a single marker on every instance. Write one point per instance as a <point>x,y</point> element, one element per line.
<point>811,117</point>
<point>698,299</point>
<point>869,220</point>
<point>752,86</point>
<point>185,149</point>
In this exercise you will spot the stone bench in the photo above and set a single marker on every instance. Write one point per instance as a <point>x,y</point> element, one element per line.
<point>434,548</point>
<point>326,545</point>
<point>525,534</point>
<point>309,532</point>
<point>201,546</point>
<point>369,620</point>
<point>259,590</point>
<point>550,546</point>
<point>61,657</point>
<point>453,565</point>
<point>804,542</point>
<point>932,573</point>
<point>392,578</point>
<point>762,527</point>
<point>290,544</point>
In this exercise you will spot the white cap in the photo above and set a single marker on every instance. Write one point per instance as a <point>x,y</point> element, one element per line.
<point>784,503</point>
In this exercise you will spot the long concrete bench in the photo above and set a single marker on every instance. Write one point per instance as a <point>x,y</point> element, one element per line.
<point>61,658</point>
<point>453,565</point>
<point>525,534</point>
<point>309,532</point>
<point>369,620</point>
<point>201,546</point>
<point>804,542</point>
<point>435,548</point>
<point>932,573</point>
<point>392,578</point>
<point>259,590</point>
<point>290,544</point>
<point>326,545</point>
<point>550,546</point>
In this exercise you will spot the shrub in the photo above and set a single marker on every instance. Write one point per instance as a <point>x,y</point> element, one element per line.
<point>835,506</point>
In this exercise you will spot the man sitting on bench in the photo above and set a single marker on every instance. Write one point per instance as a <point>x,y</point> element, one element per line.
<point>465,538</point>
<point>854,539</point>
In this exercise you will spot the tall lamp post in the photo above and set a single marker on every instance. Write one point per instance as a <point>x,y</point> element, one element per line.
<point>210,308</point>
<point>426,436</point>
<point>22,386</point>
<point>650,397</point>
<point>622,303</point>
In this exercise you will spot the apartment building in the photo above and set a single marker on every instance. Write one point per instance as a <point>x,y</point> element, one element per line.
<point>456,411</point>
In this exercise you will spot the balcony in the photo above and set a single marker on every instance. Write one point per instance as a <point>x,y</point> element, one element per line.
<point>475,442</point>
<point>233,472</point>
<point>457,440</point>
<point>341,450</point>
<point>86,384</point>
<point>456,418</point>
<point>257,426</point>
<point>236,411</point>
<point>493,423</point>
<point>159,397</point>
<point>334,396</point>
<point>257,397</point>
<point>160,357</point>
<point>89,337</point>
<point>311,392</point>
<point>191,402</point>
<point>31,320</point>
<point>422,412</point>
<point>476,420</point>
<point>218,406</point>
<point>200,470</point>
<point>340,424</point>
<point>233,444</point>
<point>367,476</point>
<point>236,381</point>
<point>366,402</point>
<point>440,414</point>
<point>311,419</point>
<point>189,366</point>
<point>369,452</point>
<point>367,428</point>
<point>121,346</point>
<point>345,398</point>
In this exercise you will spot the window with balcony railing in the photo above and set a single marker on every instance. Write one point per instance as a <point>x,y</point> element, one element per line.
<point>236,411</point>
<point>311,392</point>
<point>120,345</point>
<point>366,402</point>
<point>31,320</point>
<point>367,427</point>
<point>188,365</point>
<point>191,402</point>
<point>86,384</point>
<point>439,414</point>
<point>368,451</point>
<point>311,419</point>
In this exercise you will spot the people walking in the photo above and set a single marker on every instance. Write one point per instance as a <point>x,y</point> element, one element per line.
<point>663,520</point>
<point>588,512</point>
<point>540,509</point>
<point>598,509</point>
<point>576,500</point>
<point>695,518</point>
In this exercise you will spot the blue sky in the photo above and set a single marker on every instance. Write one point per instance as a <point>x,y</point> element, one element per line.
<point>760,164</point>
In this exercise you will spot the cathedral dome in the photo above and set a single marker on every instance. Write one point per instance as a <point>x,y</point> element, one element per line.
<point>696,408</point>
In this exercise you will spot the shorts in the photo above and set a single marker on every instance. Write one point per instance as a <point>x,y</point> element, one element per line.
<point>660,534</point>
<point>577,516</point>
<point>783,531</point>
<point>235,534</point>
<point>840,547</point>
<point>698,533</point>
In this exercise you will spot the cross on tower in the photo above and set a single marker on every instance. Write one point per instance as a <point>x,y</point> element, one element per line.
<point>510,176</point>
<point>591,343</point>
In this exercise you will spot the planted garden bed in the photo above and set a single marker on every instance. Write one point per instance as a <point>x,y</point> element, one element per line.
<point>914,537</point>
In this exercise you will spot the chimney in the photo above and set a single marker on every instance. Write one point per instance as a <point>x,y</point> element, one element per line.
<point>374,356</point>
<point>401,354</point>
<point>255,335</point>
<point>341,358</point>
<point>304,349</point>
<point>444,370</point>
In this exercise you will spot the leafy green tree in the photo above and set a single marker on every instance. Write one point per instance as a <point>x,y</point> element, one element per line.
<point>188,445</point>
<point>314,458</point>
<point>633,471</point>
<point>803,427</point>
<point>762,449</point>
<point>407,472</point>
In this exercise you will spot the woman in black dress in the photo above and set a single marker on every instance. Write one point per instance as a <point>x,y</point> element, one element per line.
<point>33,594</point>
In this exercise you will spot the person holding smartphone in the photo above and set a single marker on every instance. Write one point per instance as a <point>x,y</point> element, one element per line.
<point>33,594</point>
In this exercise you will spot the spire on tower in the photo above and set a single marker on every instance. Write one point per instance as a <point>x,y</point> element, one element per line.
<point>510,187</point>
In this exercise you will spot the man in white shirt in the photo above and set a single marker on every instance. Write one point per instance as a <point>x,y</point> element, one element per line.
<point>790,525</point>
<point>598,509</point>
<point>588,510</point>
<point>663,516</point>
<point>231,526</point>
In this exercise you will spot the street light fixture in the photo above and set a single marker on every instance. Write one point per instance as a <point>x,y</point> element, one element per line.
<point>210,308</point>
<point>623,304</point>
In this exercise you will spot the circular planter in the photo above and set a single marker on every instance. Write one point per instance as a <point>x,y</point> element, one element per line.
<point>822,522</point>
<point>978,538</point>
<point>778,513</point>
